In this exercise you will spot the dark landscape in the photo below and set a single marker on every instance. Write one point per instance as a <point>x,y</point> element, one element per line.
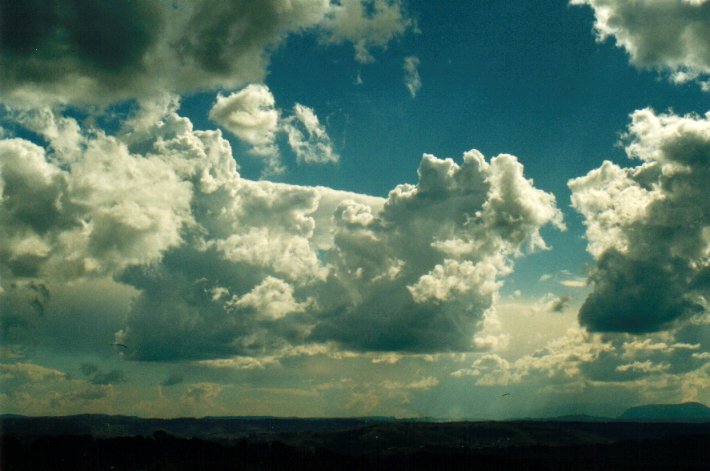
<point>661,437</point>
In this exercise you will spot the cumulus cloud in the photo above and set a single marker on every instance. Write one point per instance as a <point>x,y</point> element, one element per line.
<point>250,115</point>
<point>489,370</point>
<point>95,214</point>
<point>666,35</point>
<point>553,303</point>
<point>82,52</point>
<point>420,384</point>
<point>214,266</point>
<point>420,275</point>
<point>410,291</point>
<point>366,24</point>
<point>560,360</point>
<point>272,298</point>
<point>643,366</point>
<point>411,75</point>
<point>647,227</point>
<point>308,138</point>
<point>584,365</point>
<point>33,389</point>
<point>27,372</point>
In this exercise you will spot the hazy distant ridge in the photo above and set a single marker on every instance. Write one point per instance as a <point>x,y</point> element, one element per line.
<point>685,412</point>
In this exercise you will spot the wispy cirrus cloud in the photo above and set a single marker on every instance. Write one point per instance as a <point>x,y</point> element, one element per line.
<point>411,75</point>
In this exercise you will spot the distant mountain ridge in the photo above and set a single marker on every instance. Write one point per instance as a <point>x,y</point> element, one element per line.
<point>212,427</point>
<point>103,425</point>
<point>685,412</point>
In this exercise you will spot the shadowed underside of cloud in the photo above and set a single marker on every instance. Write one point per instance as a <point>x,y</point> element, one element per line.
<point>226,266</point>
<point>84,52</point>
<point>648,227</point>
<point>420,274</point>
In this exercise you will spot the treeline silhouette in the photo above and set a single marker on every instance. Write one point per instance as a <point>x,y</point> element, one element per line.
<point>164,452</point>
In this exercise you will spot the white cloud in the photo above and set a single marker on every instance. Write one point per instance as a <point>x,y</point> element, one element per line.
<point>420,384</point>
<point>411,75</point>
<point>272,298</point>
<point>489,370</point>
<point>387,358</point>
<point>33,389</point>
<point>308,138</point>
<point>574,283</point>
<point>647,227</point>
<point>643,366</point>
<point>27,372</point>
<point>585,365</point>
<point>241,362</point>
<point>660,34</point>
<point>91,211</point>
<point>366,24</point>
<point>646,345</point>
<point>211,265</point>
<point>285,254</point>
<point>551,303</point>
<point>250,115</point>
<point>445,282</point>
<point>420,275</point>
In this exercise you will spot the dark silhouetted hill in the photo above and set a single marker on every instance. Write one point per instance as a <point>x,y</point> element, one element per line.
<point>166,452</point>
<point>120,443</point>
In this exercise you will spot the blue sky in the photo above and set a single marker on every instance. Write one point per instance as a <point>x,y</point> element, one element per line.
<point>240,197</point>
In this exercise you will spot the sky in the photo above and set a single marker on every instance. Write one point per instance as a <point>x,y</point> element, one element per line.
<point>322,208</point>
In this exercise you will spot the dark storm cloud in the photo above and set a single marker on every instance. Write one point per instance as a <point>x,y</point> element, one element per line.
<point>88,369</point>
<point>80,317</point>
<point>98,52</point>
<point>108,377</point>
<point>391,321</point>
<point>45,42</point>
<point>90,394</point>
<point>176,317</point>
<point>218,31</point>
<point>98,377</point>
<point>104,35</point>
<point>637,296</point>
